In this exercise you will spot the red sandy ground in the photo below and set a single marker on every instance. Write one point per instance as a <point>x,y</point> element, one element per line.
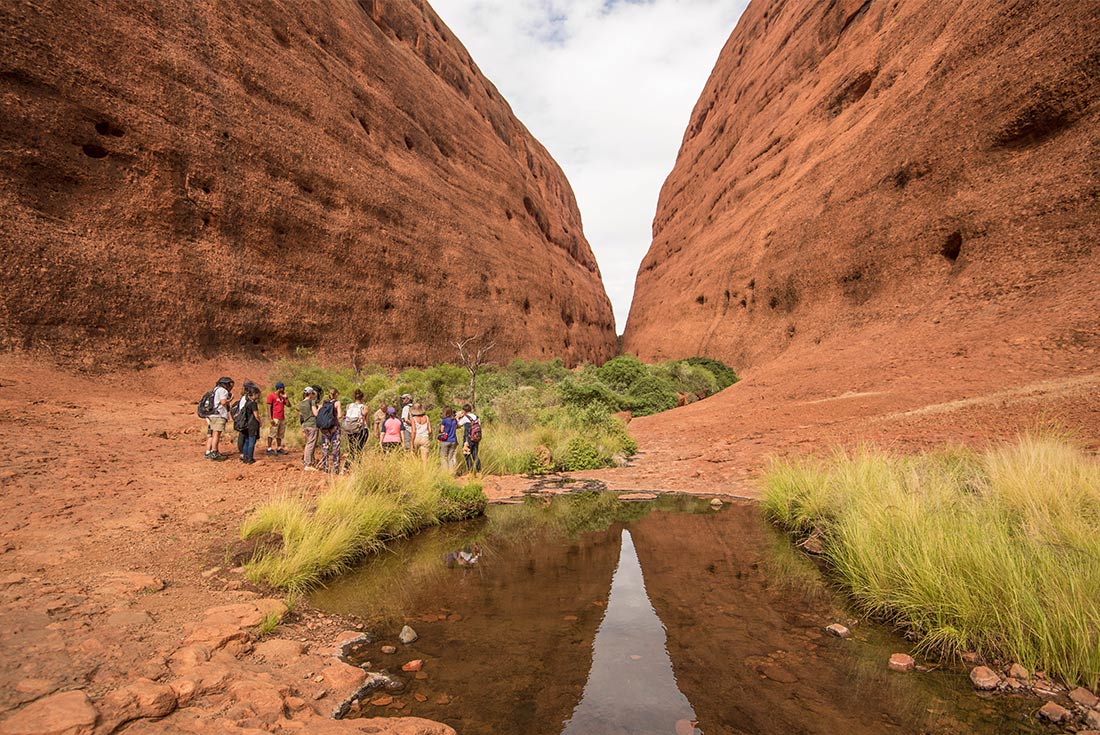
<point>105,473</point>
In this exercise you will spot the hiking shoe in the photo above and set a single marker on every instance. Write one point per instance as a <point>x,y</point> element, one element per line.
<point>208,454</point>
<point>280,450</point>
<point>218,457</point>
<point>270,450</point>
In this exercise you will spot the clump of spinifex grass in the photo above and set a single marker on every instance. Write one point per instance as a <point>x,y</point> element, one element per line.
<point>997,552</point>
<point>382,498</point>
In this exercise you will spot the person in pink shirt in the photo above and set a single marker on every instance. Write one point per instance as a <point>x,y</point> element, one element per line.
<point>390,436</point>
<point>276,411</point>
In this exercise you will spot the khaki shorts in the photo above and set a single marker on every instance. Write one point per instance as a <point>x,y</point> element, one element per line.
<point>216,423</point>
<point>277,429</point>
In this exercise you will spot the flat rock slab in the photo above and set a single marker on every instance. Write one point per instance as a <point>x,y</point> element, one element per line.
<point>838,630</point>
<point>984,678</point>
<point>637,497</point>
<point>902,662</point>
<point>1054,712</point>
<point>67,713</point>
<point>1084,697</point>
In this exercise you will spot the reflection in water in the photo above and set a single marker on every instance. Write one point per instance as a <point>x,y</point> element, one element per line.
<point>631,687</point>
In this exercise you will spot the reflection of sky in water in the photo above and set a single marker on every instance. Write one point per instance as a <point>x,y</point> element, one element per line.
<point>631,689</point>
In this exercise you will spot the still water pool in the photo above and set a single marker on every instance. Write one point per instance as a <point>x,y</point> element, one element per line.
<point>586,615</point>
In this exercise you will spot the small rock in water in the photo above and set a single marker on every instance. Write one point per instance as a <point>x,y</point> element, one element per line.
<point>421,675</point>
<point>420,697</point>
<point>1016,671</point>
<point>415,665</point>
<point>1092,719</point>
<point>389,649</point>
<point>1013,684</point>
<point>838,630</point>
<point>714,503</point>
<point>902,662</point>
<point>382,701</point>
<point>570,618</point>
<point>407,635</point>
<point>1084,697</point>
<point>685,727</point>
<point>1053,712</point>
<point>635,657</point>
<point>984,678</point>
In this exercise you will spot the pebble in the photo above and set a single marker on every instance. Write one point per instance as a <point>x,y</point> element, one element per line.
<point>838,630</point>
<point>1053,712</point>
<point>389,649</point>
<point>414,665</point>
<point>421,675</point>
<point>382,701</point>
<point>1016,671</point>
<point>1084,697</point>
<point>902,662</point>
<point>407,635</point>
<point>984,678</point>
<point>420,697</point>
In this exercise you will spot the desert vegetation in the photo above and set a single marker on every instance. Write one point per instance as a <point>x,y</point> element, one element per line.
<point>539,416</point>
<point>996,552</point>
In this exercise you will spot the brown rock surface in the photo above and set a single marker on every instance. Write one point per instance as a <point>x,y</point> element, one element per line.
<point>213,177</point>
<point>913,174</point>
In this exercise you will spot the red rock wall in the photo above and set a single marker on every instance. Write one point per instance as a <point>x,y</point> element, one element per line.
<point>932,166</point>
<point>198,177</point>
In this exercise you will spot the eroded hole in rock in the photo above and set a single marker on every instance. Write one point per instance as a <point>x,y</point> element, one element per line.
<point>1036,123</point>
<point>527,306</point>
<point>366,128</point>
<point>743,303</point>
<point>700,299</point>
<point>852,91</point>
<point>508,214</point>
<point>105,128</point>
<point>408,143</point>
<point>91,150</point>
<point>952,246</point>
<point>387,305</point>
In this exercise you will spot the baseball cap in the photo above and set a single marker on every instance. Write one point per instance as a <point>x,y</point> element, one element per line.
<point>279,385</point>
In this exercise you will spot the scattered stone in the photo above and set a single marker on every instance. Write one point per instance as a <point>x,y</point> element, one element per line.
<point>420,697</point>
<point>1016,671</point>
<point>67,713</point>
<point>398,705</point>
<point>970,657</point>
<point>443,699</point>
<point>1084,697</point>
<point>1054,712</point>
<point>389,649</point>
<point>838,630</point>
<point>141,699</point>
<point>902,662</point>
<point>1092,719</point>
<point>421,675</point>
<point>414,665</point>
<point>407,635</point>
<point>570,618</point>
<point>1013,684</point>
<point>296,704</point>
<point>382,701</point>
<point>984,678</point>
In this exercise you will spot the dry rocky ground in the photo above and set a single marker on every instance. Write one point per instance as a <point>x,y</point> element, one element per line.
<point>119,579</point>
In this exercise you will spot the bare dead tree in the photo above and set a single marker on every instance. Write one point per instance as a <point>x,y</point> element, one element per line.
<point>472,353</point>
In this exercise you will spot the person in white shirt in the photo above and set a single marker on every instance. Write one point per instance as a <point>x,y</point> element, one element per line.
<point>216,423</point>
<point>466,419</point>
<point>406,420</point>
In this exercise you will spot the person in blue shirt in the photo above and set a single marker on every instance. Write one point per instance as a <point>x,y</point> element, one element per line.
<point>448,439</point>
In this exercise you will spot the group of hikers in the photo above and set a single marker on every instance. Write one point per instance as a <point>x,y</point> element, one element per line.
<point>323,417</point>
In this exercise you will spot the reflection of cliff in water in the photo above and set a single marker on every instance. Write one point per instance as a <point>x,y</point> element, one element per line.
<point>631,687</point>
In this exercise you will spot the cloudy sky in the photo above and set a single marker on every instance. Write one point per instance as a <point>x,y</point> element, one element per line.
<point>608,87</point>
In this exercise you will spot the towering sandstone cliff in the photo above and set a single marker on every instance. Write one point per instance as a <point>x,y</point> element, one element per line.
<point>195,177</point>
<point>925,171</point>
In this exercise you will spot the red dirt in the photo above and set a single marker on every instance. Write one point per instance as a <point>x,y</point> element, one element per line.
<point>182,180</point>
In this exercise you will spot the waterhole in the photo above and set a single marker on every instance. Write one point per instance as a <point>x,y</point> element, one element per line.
<point>586,614</point>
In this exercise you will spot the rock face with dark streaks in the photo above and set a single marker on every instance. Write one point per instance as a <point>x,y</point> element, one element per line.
<point>194,178</point>
<point>927,168</point>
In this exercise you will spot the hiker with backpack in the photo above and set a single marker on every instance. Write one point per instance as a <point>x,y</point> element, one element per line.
<point>406,424</point>
<point>248,418</point>
<point>214,407</point>
<point>448,439</point>
<point>471,438</point>
<point>307,412</point>
<point>355,425</point>
<point>276,413</point>
<point>421,429</point>
<point>240,420</point>
<point>328,420</point>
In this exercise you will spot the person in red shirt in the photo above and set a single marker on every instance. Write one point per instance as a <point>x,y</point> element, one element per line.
<point>276,411</point>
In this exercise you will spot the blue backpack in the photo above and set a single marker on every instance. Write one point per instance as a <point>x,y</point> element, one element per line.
<point>326,416</point>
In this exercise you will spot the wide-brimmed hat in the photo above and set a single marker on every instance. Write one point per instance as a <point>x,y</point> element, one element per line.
<point>406,397</point>
<point>417,409</point>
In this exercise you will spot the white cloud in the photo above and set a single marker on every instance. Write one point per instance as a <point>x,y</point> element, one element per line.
<point>608,87</point>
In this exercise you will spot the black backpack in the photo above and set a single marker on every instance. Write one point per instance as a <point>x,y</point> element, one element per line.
<point>240,417</point>
<point>206,407</point>
<point>326,416</point>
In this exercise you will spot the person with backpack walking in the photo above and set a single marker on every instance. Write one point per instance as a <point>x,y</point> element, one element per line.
<point>307,412</point>
<point>421,430</point>
<point>249,420</point>
<point>448,439</point>
<point>390,436</point>
<point>328,422</point>
<point>406,424</point>
<point>471,437</point>
<point>276,413</point>
<point>355,425</point>
<point>240,420</point>
<point>215,406</point>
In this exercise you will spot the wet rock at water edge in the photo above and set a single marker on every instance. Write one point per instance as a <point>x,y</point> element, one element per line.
<point>1084,697</point>
<point>716,503</point>
<point>984,678</point>
<point>1092,719</point>
<point>838,630</point>
<point>1054,712</point>
<point>415,665</point>
<point>389,649</point>
<point>1016,671</point>
<point>407,635</point>
<point>902,662</point>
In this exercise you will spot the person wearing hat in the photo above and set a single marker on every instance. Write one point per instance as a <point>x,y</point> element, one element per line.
<point>406,425</point>
<point>420,426</point>
<point>307,411</point>
<point>390,436</point>
<point>276,411</point>
<point>215,423</point>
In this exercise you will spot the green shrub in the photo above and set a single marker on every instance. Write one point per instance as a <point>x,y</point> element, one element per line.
<point>619,373</point>
<point>722,372</point>
<point>695,381</point>
<point>652,394</point>
<point>582,454</point>
<point>458,502</point>
<point>583,391</point>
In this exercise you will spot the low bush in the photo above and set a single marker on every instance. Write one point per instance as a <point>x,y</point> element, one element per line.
<point>582,454</point>
<point>652,394</point>
<point>997,552</point>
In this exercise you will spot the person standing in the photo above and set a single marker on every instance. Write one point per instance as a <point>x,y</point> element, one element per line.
<point>328,421</point>
<point>377,419</point>
<point>250,411</point>
<point>448,439</point>
<point>276,413</point>
<point>406,423</point>
<point>421,429</point>
<point>471,437</point>
<point>215,423</point>
<point>307,412</point>
<point>355,426</point>
<point>390,436</point>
